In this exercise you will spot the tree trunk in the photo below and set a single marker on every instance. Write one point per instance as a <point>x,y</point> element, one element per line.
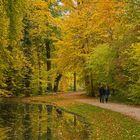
<point>92,92</point>
<point>48,55</point>
<point>74,81</point>
<point>56,82</point>
<point>89,84</point>
<point>27,45</point>
<point>39,72</point>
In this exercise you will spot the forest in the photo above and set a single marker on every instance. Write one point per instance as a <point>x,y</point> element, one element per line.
<point>70,45</point>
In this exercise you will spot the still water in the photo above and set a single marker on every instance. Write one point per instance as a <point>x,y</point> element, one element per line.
<point>40,122</point>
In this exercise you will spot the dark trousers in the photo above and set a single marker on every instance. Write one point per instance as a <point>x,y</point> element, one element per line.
<point>106,98</point>
<point>101,98</point>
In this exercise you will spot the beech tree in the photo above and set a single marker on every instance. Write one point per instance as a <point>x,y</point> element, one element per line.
<point>51,45</point>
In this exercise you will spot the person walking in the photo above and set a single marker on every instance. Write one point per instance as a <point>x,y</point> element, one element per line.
<point>101,93</point>
<point>107,92</point>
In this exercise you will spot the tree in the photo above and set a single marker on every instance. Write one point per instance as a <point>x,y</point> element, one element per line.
<point>81,35</point>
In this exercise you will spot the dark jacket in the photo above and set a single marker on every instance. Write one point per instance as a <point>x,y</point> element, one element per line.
<point>107,91</point>
<point>101,90</point>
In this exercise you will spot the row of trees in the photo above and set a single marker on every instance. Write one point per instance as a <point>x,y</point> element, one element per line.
<point>47,42</point>
<point>27,29</point>
<point>100,41</point>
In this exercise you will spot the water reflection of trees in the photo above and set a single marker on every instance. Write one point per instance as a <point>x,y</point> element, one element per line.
<point>41,122</point>
<point>27,126</point>
<point>9,121</point>
<point>49,121</point>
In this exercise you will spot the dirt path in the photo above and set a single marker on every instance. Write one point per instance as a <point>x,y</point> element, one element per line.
<point>131,111</point>
<point>69,98</point>
<point>124,109</point>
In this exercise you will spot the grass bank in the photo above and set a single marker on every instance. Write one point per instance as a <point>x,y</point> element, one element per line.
<point>105,124</point>
<point>108,125</point>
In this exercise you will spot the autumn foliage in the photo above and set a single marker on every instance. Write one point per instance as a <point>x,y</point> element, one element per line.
<point>43,43</point>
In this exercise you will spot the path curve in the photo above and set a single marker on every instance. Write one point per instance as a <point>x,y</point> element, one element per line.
<point>129,110</point>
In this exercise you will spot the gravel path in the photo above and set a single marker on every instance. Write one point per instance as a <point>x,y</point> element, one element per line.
<point>129,110</point>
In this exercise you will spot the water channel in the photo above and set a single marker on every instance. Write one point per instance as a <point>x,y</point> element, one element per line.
<point>40,122</point>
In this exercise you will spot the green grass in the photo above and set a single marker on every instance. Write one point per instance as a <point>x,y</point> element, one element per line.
<point>119,98</point>
<point>108,125</point>
<point>105,124</point>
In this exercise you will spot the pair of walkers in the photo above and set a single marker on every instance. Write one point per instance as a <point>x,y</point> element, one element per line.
<point>104,93</point>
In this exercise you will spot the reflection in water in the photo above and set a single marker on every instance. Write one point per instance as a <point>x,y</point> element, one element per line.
<point>74,120</point>
<point>49,121</point>
<point>49,109</point>
<point>49,133</point>
<point>27,127</point>
<point>59,112</point>
<point>40,122</point>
